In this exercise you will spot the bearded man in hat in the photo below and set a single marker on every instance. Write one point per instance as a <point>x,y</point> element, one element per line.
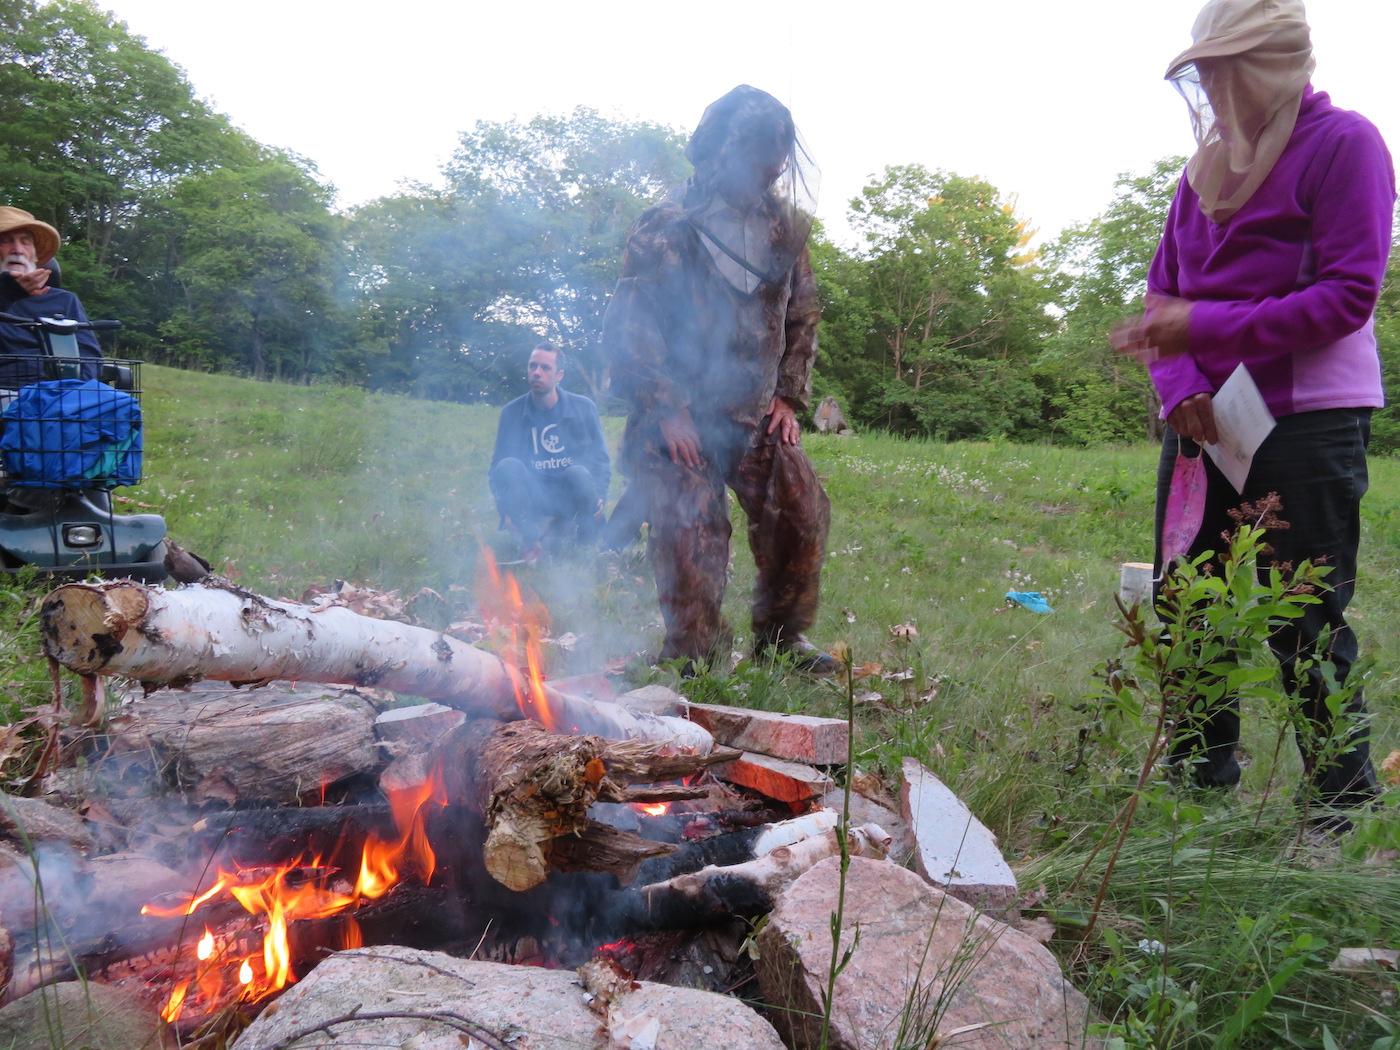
<point>712,333</point>
<point>27,248</point>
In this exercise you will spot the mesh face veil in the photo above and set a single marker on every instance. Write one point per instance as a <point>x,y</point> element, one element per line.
<point>754,192</point>
<point>1243,80</point>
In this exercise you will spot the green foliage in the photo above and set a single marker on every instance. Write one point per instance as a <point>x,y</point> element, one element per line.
<point>24,679</point>
<point>174,223</point>
<point>524,242</point>
<point>256,262</point>
<point>1385,425</point>
<point>1208,646</point>
<point>91,120</point>
<point>928,329</point>
<point>1099,275</point>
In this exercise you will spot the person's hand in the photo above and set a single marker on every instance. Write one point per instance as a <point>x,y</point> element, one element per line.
<point>35,282</point>
<point>1128,338</point>
<point>1195,418</point>
<point>1167,324</point>
<point>784,421</point>
<point>1163,330</point>
<point>682,439</point>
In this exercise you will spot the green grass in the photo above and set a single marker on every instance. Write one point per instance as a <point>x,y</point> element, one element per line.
<point>286,487</point>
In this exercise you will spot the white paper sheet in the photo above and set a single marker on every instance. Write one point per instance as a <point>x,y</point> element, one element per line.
<point>1242,422</point>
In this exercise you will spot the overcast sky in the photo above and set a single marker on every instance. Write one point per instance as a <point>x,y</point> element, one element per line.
<point>1048,101</point>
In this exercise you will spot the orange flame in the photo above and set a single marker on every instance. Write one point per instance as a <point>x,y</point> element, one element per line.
<point>381,862</point>
<point>273,895</point>
<point>172,1006</point>
<point>519,626</point>
<point>654,809</point>
<point>189,907</point>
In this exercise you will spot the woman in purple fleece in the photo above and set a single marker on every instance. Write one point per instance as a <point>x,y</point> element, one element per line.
<point>1273,256</point>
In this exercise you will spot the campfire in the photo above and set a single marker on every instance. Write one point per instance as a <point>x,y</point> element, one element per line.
<point>523,822</point>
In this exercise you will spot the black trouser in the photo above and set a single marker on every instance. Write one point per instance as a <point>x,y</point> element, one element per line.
<point>529,498</point>
<point>1316,463</point>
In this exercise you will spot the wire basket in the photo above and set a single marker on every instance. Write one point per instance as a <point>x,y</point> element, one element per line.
<point>63,427</point>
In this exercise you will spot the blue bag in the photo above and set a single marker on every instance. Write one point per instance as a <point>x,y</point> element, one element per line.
<point>71,433</point>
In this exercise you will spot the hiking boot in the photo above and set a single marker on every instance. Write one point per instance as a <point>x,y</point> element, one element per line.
<point>799,653</point>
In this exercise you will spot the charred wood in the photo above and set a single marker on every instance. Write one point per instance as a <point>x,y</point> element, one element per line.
<point>601,848</point>
<point>748,888</point>
<point>280,834</point>
<point>533,787</point>
<point>638,762</point>
<point>652,793</point>
<point>712,958</point>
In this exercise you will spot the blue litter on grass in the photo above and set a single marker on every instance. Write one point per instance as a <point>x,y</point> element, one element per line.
<point>1031,600</point>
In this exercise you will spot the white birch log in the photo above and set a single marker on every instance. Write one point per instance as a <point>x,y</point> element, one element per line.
<point>220,631</point>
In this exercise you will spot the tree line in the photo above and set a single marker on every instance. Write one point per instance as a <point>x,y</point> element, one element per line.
<point>220,253</point>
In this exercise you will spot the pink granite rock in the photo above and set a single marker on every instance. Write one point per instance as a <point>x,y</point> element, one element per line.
<point>926,965</point>
<point>527,1007</point>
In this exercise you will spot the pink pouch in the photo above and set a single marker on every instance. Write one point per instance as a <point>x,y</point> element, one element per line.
<point>1186,506</point>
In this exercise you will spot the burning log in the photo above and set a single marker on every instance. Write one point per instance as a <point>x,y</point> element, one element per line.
<point>534,788</point>
<point>217,630</point>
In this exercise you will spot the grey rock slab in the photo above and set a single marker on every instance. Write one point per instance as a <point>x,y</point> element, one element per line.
<point>952,848</point>
<point>83,1016</point>
<point>868,811</point>
<point>924,961</point>
<point>531,1008</point>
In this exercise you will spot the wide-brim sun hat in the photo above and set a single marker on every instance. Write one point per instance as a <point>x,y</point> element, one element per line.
<point>46,238</point>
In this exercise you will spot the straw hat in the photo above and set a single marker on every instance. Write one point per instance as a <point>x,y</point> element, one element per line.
<point>46,239</point>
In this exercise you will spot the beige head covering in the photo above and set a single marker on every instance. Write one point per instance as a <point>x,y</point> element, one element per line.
<point>1243,79</point>
<point>46,238</point>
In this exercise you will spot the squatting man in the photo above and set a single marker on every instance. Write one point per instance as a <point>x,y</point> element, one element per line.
<point>550,468</point>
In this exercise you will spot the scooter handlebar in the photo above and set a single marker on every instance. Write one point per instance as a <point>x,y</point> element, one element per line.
<point>62,324</point>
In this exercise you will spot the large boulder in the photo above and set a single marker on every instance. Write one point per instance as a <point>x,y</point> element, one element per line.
<point>925,965</point>
<point>430,1001</point>
<point>829,419</point>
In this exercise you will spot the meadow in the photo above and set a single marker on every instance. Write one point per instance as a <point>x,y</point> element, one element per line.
<point>1215,925</point>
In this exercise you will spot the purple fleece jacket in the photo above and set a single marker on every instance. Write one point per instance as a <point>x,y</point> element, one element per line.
<point>1288,284</point>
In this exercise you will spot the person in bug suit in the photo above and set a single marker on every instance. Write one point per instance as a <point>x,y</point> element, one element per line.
<point>711,333</point>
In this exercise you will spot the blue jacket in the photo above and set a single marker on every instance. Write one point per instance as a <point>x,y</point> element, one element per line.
<point>549,441</point>
<point>55,302</point>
